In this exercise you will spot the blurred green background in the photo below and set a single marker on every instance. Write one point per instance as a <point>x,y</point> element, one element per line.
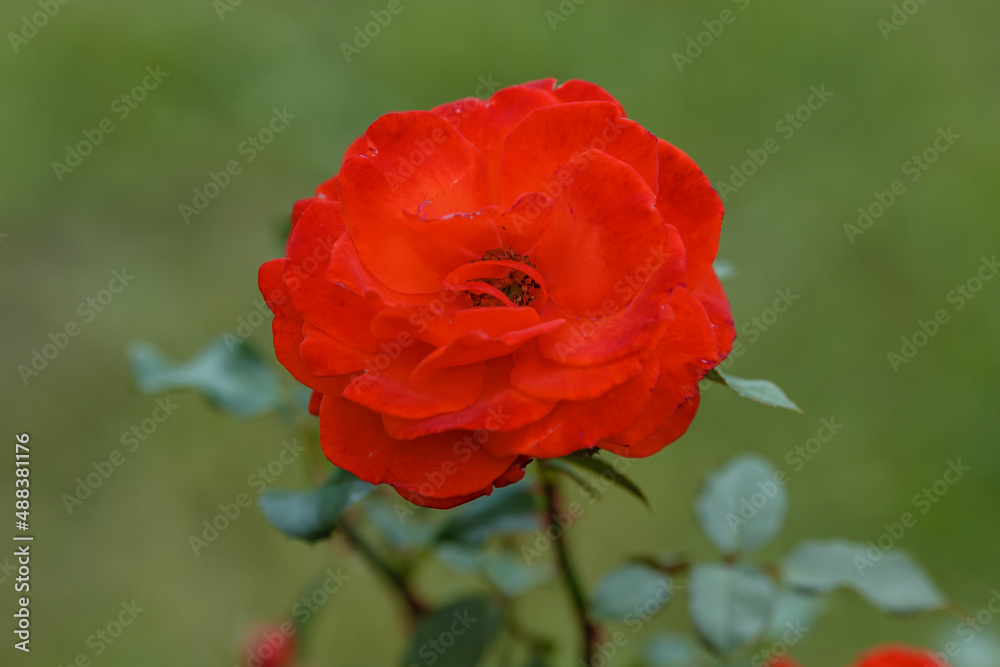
<point>784,230</point>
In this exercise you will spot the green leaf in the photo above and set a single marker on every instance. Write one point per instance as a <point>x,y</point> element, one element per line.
<point>724,269</point>
<point>509,573</point>
<point>889,580</point>
<point>760,391</point>
<point>601,467</point>
<point>730,605</point>
<point>509,510</point>
<point>512,575</point>
<point>794,611</point>
<point>314,514</point>
<point>742,507</point>
<point>671,651</point>
<point>456,635</point>
<point>983,650</point>
<point>629,592</point>
<point>402,527</point>
<point>229,373</point>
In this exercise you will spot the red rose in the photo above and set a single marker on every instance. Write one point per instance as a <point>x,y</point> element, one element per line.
<point>270,646</point>
<point>898,656</point>
<point>497,280</point>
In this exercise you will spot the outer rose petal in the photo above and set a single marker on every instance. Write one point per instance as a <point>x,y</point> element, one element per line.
<point>597,231</point>
<point>442,173</point>
<point>287,328</point>
<point>689,203</point>
<point>686,352</point>
<point>513,475</point>
<point>667,433</point>
<point>576,90</point>
<point>314,400</point>
<point>487,124</point>
<point>550,137</point>
<point>711,294</point>
<point>576,425</point>
<point>342,315</point>
<point>435,466</point>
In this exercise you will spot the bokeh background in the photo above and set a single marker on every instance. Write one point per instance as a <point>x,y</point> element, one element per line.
<point>784,230</point>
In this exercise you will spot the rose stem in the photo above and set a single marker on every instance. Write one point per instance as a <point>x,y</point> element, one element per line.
<point>588,629</point>
<point>392,576</point>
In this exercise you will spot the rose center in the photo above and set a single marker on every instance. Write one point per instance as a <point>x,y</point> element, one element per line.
<point>502,277</point>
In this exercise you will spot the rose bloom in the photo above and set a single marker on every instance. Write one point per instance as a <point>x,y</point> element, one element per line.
<point>886,656</point>
<point>898,656</point>
<point>494,281</point>
<point>270,645</point>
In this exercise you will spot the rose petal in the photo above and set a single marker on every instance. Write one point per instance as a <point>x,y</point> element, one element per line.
<point>686,352</point>
<point>475,346</point>
<point>576,425</point>
<point>437,466</point>
<point>711,294</point>
<point>669,432</point>
<point>615,331</point>
<point>689,203</point>
<point>419,163</point>
<point>603,231</point>
<point>287,328</point>
<point>550,137</point>
<point>392,390</point>
<point>487,123</point>
<point>500,407</point>
<point>513,475</point>
<point>540,378</point>
<point>442,325</point>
